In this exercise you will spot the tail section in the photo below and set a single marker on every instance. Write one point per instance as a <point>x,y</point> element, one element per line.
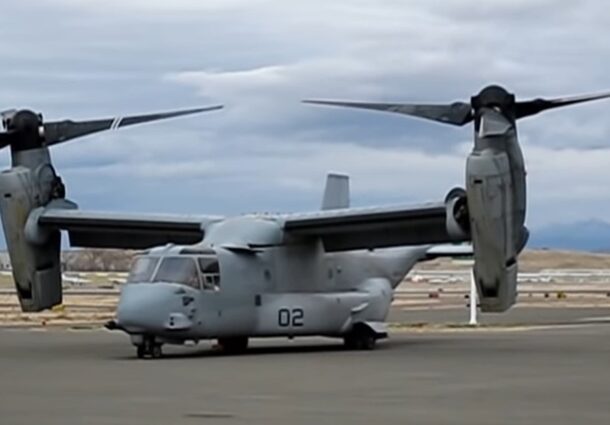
<point>398,262</point>
<point>336,192</point>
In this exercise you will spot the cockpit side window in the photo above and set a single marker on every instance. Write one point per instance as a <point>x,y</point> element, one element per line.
<point>142,269</point>
<point>210,273</point>
<point>178,270</point>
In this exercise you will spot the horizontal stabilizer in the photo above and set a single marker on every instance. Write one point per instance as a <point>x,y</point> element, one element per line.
<point>449,250</point>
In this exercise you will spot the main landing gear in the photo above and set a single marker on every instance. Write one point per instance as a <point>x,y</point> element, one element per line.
<point>360,338</point>
<point>149,348</point>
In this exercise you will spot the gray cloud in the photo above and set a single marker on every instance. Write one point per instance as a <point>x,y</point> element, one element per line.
<point>266,151</point>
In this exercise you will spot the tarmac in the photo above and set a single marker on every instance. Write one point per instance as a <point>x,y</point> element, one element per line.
<point>552,312</point>
<point>534,373</point>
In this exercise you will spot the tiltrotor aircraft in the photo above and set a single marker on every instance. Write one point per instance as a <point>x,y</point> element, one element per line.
<point>320,273</point>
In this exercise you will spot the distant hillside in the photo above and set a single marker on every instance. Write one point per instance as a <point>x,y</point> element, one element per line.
<point>532,260</point>
<point>589,235</point>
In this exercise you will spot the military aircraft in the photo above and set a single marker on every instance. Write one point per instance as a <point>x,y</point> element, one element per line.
<point>319,273</point>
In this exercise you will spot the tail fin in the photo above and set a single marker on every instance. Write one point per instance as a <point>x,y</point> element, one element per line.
<point>336,192</point>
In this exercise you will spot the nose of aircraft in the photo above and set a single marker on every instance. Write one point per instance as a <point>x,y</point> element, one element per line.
<point>145,307</point>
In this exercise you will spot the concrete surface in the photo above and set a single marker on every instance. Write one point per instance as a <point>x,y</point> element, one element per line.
<point>559,375</point>
<point>519,315</point>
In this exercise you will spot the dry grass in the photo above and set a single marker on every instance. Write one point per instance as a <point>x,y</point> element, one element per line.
<point>6,280</point>
<point>540,259</point>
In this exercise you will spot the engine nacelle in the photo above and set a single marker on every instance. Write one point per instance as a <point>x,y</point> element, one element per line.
<point>456,206</point>
<point>491,209</point>
<point>31,184</point>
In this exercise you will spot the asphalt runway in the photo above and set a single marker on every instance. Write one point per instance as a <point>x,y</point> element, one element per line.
<point>547,375</point>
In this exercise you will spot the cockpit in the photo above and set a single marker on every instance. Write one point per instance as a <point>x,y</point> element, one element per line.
<point>197,271</point>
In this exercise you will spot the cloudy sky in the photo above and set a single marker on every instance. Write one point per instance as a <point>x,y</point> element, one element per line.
<point>268,152</point>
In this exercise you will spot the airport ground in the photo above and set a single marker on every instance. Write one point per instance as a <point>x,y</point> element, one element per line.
<point>546,361</point>
<point>535,372</point>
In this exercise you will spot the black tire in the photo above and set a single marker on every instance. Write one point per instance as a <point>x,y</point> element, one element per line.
<point>360,338</point>
<point>141,351</point>
<point>156,352</point>
<point>234,345</point>
<point>368,341</point>
<point>350,342</point>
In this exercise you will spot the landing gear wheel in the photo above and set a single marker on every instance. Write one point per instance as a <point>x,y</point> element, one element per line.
<point>350,342</point>
<point>149,349</point>
<point>156,352</point>
<point>361,338</point>
<point>233,345</point>
<point>368,341</point>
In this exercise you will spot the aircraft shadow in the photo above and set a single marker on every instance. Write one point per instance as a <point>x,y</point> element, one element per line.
<point>281,349</point>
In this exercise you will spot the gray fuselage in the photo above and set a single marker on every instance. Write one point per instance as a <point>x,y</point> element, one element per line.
<point>220,290</point>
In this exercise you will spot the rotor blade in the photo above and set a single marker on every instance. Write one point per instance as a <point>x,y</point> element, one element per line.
<point>457,113</point>
<point>532,107</point>
<point>61,131</point>
<point>493,123</point>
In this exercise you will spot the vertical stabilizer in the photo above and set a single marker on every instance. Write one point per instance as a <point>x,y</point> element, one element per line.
<point>336,192</point>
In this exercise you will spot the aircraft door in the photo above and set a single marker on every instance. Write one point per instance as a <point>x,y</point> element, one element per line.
<point>212,308</point>
<point>228,297</point>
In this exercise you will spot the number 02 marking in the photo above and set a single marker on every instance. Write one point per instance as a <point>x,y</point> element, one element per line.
<point>290,317</point>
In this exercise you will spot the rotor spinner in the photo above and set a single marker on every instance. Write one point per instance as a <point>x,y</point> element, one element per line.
<point>24,130</point>
<point>491,96</point>
<point>494,97</point>
<point>494,116</point>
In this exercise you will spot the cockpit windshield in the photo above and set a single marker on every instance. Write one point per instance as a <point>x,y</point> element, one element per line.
<point>142,269</point>
<point>178,270</point>
<point>200,272</point>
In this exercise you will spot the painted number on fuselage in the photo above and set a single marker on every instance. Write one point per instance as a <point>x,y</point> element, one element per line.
<point>290,317</point>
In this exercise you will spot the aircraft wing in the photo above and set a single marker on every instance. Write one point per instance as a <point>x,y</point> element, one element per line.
<point>367,228</point>
<point>120,230</point>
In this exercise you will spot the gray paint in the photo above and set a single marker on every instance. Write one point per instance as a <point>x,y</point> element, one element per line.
<point>283,278</point>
